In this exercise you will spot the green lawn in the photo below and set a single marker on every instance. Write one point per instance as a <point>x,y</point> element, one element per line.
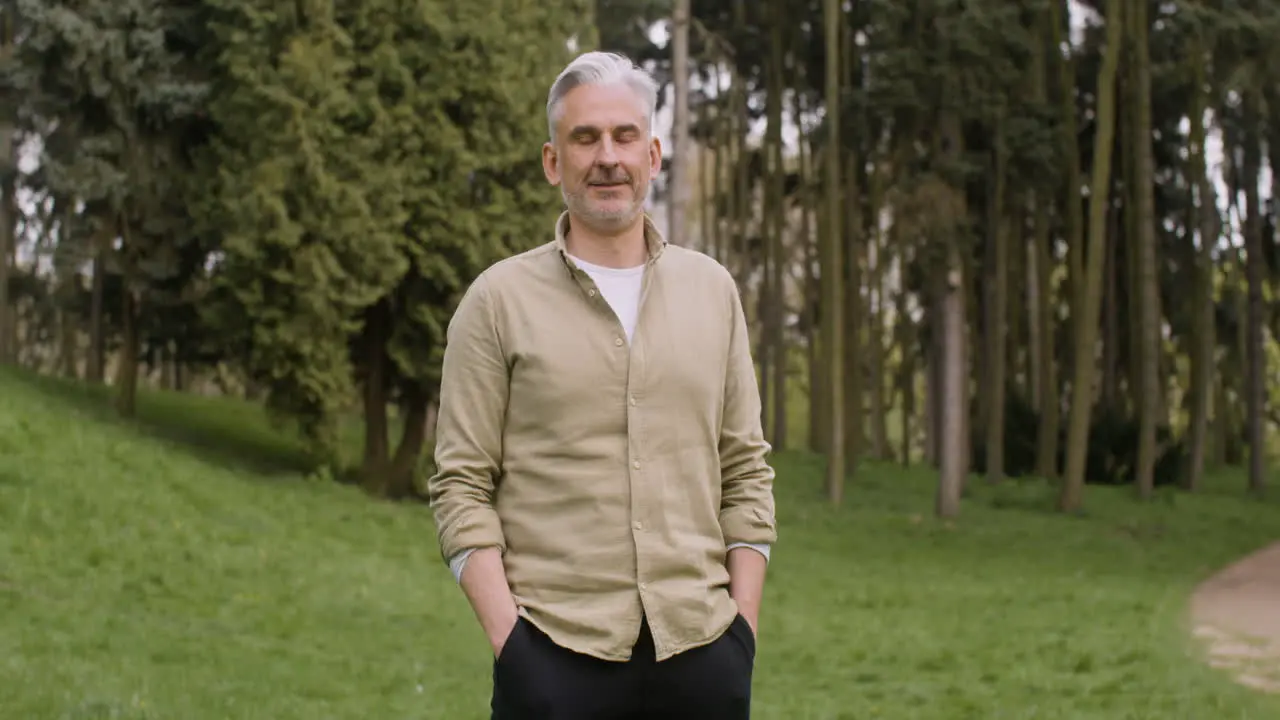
<point>181,568</point>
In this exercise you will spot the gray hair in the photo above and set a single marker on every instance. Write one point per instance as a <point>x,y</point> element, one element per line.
<point>600,68</point>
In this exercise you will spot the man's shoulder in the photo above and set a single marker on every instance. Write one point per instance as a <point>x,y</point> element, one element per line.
<point>695,263</point>
<point>515,269</point>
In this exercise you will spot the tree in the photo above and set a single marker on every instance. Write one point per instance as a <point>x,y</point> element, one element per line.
<point>832,258</point>
<point>123,100</point>
<point>372,160</point>
<point>1148,292</point>
<point>1089,286</point>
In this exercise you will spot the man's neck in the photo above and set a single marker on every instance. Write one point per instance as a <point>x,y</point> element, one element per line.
<point>624,249</point>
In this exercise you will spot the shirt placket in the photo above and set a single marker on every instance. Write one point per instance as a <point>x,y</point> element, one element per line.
<point>634,362</point>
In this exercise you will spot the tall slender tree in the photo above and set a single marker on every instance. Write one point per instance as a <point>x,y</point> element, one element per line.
<point>833,257</point>
<point>681,155</point>
<point>1089,287</point>
<point>1144,265</point>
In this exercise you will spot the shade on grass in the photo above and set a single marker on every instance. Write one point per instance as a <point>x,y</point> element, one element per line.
<point>179,568</point>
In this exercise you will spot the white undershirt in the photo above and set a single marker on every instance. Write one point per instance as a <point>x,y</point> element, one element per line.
<point>620,288</point>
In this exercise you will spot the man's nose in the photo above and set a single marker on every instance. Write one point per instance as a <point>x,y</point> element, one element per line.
<point>608,154</point>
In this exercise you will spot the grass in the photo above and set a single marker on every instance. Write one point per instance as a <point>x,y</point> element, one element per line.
<point>178,567</point>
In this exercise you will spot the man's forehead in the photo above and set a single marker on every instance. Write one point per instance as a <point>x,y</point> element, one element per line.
<point>603,107</point>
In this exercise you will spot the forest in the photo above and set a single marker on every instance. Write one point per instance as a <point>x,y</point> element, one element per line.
<point>1005,239</point>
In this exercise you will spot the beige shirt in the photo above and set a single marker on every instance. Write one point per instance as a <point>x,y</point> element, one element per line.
<point>613,474</point>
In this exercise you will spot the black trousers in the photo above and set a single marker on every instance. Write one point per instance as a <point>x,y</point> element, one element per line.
<point>535,679</point>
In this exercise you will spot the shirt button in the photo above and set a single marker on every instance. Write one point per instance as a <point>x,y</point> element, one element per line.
<point>638,525</point>
<point>636,464</point>
<point>617,341</point>
<point>592,293</point>
<point>644,586</point>
<point>633,399</point>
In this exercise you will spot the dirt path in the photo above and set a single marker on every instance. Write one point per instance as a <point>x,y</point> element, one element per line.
<point>1237,615</point>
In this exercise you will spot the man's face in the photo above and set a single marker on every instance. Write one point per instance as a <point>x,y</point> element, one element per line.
<point>603,157</point>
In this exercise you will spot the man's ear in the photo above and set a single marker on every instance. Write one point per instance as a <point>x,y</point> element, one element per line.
<point>551,163</point>
<point>655,156</point>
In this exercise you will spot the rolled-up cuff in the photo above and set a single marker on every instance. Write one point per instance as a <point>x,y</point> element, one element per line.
<point>749,525</point>
<point>478,528</point>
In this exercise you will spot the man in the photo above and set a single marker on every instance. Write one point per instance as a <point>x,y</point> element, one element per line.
<point>602,491</point>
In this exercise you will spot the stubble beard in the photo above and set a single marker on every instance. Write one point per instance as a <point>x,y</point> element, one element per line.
<point>581,206</point>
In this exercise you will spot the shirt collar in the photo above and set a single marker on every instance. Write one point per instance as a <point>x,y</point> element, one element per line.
<point>653,239</point>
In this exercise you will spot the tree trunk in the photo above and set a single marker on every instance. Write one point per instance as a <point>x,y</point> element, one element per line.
<point>68,341</point>
<point>1017,371</point>
<point>997,317</point>
<point>706,184</point>
<point>97,333</point>
<point>832,260</point>
<point>852,292</point>
<point>742,207</point>
<point>1111,312</point>
<point>413,437</point>
<point>955,379</point>
<point>1048,393</point>
<point>1041,324</point>
<point>1238,430</point>
<point>723,130</point>
<point>127,371</point>
<point>374,345</point>
<point>777,295</point>
<point>1060,18</point>
<point>8,240</point>
<point>954,398</point>
<point>8,203</point>
<point>1128,237</point>
<point>681,157</point>
<point>935,344</point>
<point>8,226</point>
<point>812,297</point>
<point>1148,399</point>
<point>1255,268</point>
<point>907,353</point>
<point>1090,285</point>
<point>1203,212</point>
<point>876,352</point>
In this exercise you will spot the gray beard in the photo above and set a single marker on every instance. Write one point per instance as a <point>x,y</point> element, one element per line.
<point>615,218</point>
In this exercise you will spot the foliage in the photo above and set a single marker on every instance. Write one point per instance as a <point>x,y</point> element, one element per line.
<point>307,211</point>
<point>113,93</point>
<point>355,176</point>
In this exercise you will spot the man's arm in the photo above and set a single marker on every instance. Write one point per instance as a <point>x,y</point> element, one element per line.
<point>746,581</point>
<point>468,456</point>
<point>747,506</point>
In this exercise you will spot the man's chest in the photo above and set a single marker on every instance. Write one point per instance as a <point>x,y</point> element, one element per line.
<point>622,294</point>
<point>615,350</point>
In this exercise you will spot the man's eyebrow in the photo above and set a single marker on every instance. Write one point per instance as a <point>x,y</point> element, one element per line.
<point>591,129</point>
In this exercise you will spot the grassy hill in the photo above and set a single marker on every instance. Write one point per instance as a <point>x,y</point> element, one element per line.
<point>181,567</point>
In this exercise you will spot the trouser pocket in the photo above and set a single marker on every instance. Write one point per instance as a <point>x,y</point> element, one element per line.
<point>741,631</point>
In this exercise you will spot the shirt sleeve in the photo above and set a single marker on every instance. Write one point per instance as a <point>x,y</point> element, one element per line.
<point>468,451</point>
<point>747,504</point>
